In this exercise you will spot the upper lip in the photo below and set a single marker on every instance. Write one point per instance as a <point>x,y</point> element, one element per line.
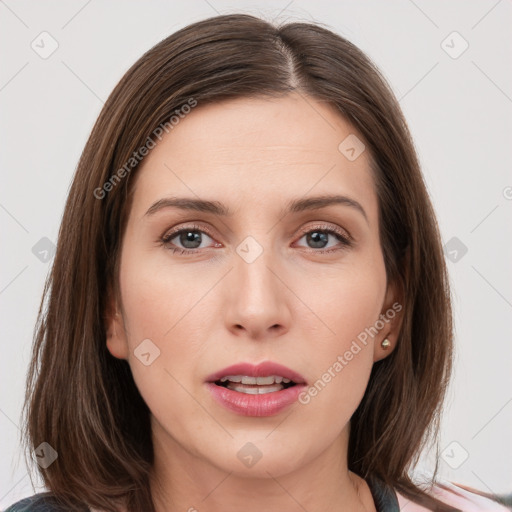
<point>264,369</point>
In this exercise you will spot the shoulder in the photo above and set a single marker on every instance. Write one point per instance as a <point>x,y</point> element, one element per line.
<point>457,496</point>
<point>41,502</point>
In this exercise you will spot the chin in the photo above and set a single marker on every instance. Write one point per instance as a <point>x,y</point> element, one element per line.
<point>259,459</point>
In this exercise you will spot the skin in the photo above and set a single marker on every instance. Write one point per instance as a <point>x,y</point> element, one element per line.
<point>292,305</point>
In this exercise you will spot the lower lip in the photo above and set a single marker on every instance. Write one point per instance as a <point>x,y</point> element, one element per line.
<point>267,404</point>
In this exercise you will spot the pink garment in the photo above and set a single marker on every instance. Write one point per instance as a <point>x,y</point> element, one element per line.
<point>456,496</point>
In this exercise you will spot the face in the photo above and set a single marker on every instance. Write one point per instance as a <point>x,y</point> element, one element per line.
<point>253,280</point>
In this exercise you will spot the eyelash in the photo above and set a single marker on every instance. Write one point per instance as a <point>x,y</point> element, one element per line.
<point>345,239</point>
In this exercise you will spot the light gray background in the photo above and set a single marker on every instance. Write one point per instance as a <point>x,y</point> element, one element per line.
<point>460,114</point>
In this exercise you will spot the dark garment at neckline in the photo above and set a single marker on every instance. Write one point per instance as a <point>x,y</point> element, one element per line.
<point>384,496</point>
<point>42,502</point>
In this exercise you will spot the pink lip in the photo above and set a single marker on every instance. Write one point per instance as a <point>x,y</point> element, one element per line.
<point>255,405</point>
<point>267,404</point>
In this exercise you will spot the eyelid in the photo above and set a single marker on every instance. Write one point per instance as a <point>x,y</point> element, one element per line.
<point>168,235</point>
<point>327,227</point>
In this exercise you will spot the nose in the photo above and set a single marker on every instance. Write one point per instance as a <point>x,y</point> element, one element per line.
<point>257,298</point>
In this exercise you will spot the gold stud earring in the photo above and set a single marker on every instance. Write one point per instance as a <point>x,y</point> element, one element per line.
<point>385,344</point>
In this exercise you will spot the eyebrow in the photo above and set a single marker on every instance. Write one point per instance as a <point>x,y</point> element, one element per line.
<point>217,208</point>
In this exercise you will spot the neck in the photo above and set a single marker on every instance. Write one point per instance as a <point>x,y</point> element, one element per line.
<point>182,481</point>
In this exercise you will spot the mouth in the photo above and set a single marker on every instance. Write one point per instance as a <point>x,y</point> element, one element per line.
<point>255,385</point>
<point>256,390</point>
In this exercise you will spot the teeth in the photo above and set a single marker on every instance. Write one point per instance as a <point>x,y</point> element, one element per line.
<point>259,381</point>
<point>232,378</point>
<point>254,391</point>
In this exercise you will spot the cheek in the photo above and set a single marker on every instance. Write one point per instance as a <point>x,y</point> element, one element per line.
<point>156,307</point>
<point>347,309</point>
<point>341,364</point>
<point>345,301</point>
<point>157,295</point>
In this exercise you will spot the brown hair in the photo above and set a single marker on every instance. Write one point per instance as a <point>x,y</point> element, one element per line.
<point>84,402</point>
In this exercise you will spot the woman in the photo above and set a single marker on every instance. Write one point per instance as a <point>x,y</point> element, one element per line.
<point>249,307</point>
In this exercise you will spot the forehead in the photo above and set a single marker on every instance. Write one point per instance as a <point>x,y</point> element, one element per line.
<point>262,150</point>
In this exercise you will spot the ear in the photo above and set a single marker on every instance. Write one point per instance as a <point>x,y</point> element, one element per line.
<point>117,344</point>
<point>391,316</point>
